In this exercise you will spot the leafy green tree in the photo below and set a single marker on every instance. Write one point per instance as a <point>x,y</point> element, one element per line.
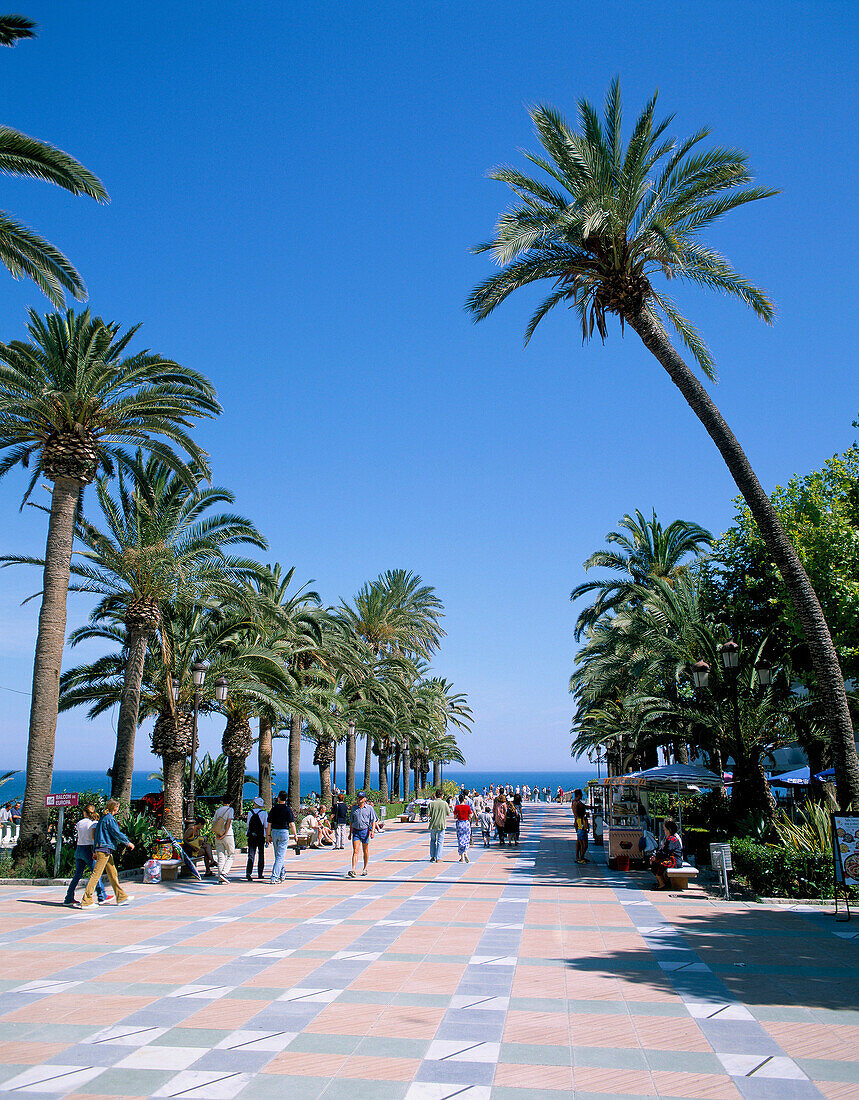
<point>601,222</point>
<point>22,251</point>
<point>70,399</point>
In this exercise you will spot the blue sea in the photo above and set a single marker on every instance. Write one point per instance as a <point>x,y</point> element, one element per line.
<point>142,784</point>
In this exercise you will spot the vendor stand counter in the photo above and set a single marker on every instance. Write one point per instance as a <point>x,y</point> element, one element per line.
<point>622,829</point>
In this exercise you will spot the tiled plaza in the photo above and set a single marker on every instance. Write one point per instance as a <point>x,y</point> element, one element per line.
<point>517,976</point>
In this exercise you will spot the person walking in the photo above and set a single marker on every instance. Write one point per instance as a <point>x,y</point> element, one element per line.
<point>499,816</point>
<point>436,821</point>
<point>580,816</point>
<point>225,842</point>
<point>106,839</point>
<point>340,821</point>
<point>84,835</point>
<point>15,813</point>
<point>463,812</point>
<point>362,829</point>
<point>281,821</point>
<point>5,824</point>
<point>257,823</point>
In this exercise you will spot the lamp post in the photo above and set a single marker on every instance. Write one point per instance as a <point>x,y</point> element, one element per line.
<point>350,759</point>
<point>198,676</point>
<point>763,671</point>
<point>730,654</point>
<point>700,674</point>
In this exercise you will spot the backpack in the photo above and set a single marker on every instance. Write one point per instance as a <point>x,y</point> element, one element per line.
<point>256,833</point>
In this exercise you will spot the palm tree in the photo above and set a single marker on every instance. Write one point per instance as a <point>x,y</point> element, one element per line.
<point>648,550</point>
<point>600,224</point>
<point>70,399</point>
<point>22,251</point>
<point>156,545</point>
<point>398,614</point>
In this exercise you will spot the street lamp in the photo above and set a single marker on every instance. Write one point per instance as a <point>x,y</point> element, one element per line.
<point>730,653</point>
<point>701,674</point>
<point>764,673</point>
<point>220,689</point>
<point>198,676</point>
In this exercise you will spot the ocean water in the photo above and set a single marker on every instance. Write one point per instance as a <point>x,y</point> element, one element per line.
<point>142,784</point>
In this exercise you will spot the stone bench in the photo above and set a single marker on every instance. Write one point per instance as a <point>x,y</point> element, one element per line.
<point>679,876</point>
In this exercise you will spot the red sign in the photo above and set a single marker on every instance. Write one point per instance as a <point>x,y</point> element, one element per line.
<point>64,799</point>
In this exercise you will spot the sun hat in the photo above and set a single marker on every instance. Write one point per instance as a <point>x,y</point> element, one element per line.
<point>258,802</point>
<point>361,794</point>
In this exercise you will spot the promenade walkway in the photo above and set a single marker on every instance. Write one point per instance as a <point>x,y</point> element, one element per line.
<point>516,977</point>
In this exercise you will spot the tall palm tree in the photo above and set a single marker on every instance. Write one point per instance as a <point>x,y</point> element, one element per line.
<point>22,251</point>
<point>398,614</point>
<point>70,398</point>
<point>601,223</point>
<point>156,544</point>
<point>647,550</point>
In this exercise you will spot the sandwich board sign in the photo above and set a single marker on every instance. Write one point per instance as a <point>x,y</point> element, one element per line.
<point>845,855</point>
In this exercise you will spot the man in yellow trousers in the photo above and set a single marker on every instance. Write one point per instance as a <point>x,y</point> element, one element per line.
<point>108,836</point>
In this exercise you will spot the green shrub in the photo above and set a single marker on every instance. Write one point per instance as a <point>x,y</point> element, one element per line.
<point>811,832</point>
<point>773,871</point>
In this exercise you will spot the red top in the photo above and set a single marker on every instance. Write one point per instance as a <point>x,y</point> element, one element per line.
<point>462,811</point>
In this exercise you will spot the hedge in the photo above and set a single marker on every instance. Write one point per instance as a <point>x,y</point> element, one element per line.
<point>778,872</point>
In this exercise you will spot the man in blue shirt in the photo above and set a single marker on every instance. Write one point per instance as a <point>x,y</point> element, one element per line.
<point>108,836</point>
<point>362,829</point>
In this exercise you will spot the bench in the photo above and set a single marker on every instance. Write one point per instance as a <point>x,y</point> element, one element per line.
<point>170,869</point>
<point>407,817</point>
<point>679,876</point>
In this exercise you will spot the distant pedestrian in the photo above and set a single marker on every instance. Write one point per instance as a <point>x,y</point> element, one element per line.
<point>107,837</point>
<point>362,827</point>
<point>436,822</point>
<point>16,821</point>
<point>517,802</point>
<point>84,834</point>
<point>340,821</point>
<point>484,816</point>
<point>499,816</point>
<point>257,824</point>
<point>280,823</point>
<point>462,813</point>
<point>580,817</point>
<point>6,824</point>
<point>225,842</point>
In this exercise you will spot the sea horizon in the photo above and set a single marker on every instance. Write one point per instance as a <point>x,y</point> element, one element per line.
<point>67,780</point>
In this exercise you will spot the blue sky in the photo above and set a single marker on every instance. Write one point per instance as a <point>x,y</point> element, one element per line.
<point>295,188</point>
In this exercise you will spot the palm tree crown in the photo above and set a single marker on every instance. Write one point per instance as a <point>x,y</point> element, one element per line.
<point>609,218</point>
<point>22,251</point>
<point>72,397</point>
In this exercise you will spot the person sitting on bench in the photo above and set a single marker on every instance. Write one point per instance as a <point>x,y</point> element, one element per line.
<point>668,854</point>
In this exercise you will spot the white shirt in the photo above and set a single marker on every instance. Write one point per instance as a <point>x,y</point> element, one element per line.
<point>223,816</point>
<point>5,815</point>
<point>85,832</point>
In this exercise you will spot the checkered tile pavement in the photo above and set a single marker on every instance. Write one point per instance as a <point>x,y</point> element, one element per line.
<point>516,976</point>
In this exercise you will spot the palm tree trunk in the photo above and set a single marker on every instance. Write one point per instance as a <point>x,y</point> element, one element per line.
<point>398,755</point>
<point>126,723</point>
<point>46,668</point>
<point>436,773</point>
<point>681,752</point>
<point>368,760</point>
<point>325,785</point>
<point>383,776</point>
<point>406,769</point>
<point>236,782</point>
<point>350,762</point>
<point>264,761</point>
<point>830,680</point>
<point>294,762</point>
<point>173,777</point>
<point>750,792</point>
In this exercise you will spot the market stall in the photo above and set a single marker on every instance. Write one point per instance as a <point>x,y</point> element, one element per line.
<point>627,800</point>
